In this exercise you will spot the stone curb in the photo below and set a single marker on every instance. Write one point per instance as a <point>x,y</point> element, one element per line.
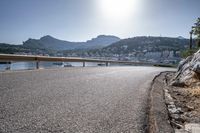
<point>158,119</point>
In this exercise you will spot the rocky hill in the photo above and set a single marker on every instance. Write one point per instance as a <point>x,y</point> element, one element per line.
<point>51,43</point>
<point>188,73</point>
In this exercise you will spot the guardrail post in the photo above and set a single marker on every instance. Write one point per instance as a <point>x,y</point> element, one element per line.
<point>83,63</point>
<point>8,67</point>
<point>106,63</point>
<point>37,65</point>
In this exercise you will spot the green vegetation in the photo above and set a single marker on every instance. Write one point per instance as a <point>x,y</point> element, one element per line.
<point>136,46</point>
<point>147,43</point>
<point>196,32</point>
<point>188,52</point>
<point>13,49</point>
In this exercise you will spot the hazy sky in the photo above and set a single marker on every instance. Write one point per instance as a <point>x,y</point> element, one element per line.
<point>80,20</point>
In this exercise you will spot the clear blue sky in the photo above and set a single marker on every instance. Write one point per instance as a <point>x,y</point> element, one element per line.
<point>80,20</point>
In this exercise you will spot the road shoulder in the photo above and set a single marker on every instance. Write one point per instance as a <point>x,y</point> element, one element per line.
<point>158,114</point>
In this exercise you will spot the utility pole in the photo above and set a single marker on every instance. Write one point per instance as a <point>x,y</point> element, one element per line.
<point>191,32</point>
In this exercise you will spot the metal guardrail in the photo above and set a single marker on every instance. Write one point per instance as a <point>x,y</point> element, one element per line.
<point>37,59</point>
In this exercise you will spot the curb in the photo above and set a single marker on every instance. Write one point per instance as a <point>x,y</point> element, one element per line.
<point>158,119</point>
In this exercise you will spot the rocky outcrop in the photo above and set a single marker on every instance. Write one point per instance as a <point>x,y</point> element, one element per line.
<point>188,73</point>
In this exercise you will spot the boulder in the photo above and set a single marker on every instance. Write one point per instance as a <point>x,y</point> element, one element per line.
<point>196,68</point>
<point>188,72</point>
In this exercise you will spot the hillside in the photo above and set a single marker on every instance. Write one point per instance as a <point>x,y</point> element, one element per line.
<point>150,44</point>
<point>139,48</point>
<point>10,49</point>
<point>20,49</point>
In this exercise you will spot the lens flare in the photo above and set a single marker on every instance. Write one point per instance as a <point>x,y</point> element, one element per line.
<point>118,9</point>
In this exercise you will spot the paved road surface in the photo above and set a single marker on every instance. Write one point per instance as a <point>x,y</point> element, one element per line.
<point>75,100</point>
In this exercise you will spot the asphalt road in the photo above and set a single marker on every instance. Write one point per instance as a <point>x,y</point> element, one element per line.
<point>75,100</point>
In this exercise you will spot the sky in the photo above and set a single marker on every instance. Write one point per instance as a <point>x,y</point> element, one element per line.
<point>81,20</point>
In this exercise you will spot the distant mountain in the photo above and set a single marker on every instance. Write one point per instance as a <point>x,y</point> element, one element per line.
<point>180,37</point>
<point>142,48</point>
<point>51,43</point>
<point>102,40</point>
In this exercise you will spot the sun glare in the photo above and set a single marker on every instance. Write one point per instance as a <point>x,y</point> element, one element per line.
<point>117,9</point>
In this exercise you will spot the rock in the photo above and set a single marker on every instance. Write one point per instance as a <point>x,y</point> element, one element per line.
<point>173,110</point>
<point>177,125</point>
<point>178,117</point>
<point>168,99</point>
<point>189,128</point>
<point>188,71</point>
<point>175,116</point>
<point>180,131</point>
<point>192,127</point>
<point>183,62</point>
<point>190,108</point>
<point>196,68</point>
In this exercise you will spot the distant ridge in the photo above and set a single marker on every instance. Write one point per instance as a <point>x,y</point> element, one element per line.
<point>141,47</point>
<point>141,43</point>
<point>49,42</point>
<point>180,37</point>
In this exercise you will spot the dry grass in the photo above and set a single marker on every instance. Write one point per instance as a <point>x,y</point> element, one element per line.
<point>195,91</point>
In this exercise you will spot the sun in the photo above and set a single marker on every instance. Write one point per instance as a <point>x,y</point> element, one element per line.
<point>117,9</point>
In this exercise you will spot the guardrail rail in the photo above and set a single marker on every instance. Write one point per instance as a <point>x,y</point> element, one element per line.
<point>37,59</point>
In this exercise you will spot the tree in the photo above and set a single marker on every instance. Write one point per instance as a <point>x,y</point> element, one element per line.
<point>196,29</point>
